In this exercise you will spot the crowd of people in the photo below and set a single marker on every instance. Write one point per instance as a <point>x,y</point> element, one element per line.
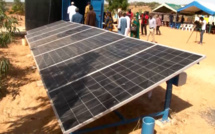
<point>128,23</point>
<point>75,16</point>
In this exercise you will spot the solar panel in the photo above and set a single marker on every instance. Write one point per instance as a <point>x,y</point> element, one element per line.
<point>49,33</point>
<point>92,72</point>
<point>45,28</point>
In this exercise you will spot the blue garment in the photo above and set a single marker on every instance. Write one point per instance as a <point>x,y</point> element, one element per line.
<point>201,36</point>
<point>171,18</point>
<point>78,18</point>
<point>123,25</point>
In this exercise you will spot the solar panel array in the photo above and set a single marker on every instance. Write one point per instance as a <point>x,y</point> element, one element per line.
<point>89,72</point>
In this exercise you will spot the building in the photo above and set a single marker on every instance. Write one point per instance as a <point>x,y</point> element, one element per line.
<point>42,12</point>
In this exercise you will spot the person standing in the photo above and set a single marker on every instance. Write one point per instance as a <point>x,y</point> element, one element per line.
<point>71,11</point>
<point>152,26</point>
<point>123,24</point>
<point>78,18</point>
<point>109,22</point>
<point>203,23</point>
<point>130,14</point>
<point>127,30</point>
<point>136,24</point>
<point>87,9</point>
<point>91,17</point>
<point>158,24</point>
<point>146,22</point>
<point>142,22</point>
<point>182,19</point>
<point>119,21</point>
<point>171,17</point>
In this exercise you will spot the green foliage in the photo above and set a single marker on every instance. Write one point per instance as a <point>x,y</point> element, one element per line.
<point>4,67</point>
<point>3,5</point>
<point>115,4</point>
<point>152,5</point>
<point>18,7</point>
<point>7,26</point>
<point>5,38</point>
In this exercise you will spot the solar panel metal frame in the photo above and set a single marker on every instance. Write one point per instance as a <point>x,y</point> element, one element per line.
<point>127,100</point>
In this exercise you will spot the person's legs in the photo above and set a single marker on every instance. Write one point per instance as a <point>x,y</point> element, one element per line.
<point>142,28</point>
<point>145,27</point>
<point>153,35</point>
<point>159,30</point>
<point>148,34</point>
<point>156,30</point>
<point>201,36</point>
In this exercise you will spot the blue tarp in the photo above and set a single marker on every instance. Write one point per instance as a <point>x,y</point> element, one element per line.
<point>196,7</point>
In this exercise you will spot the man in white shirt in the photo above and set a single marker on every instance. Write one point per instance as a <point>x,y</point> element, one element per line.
<point>127,30</point>
<point>152,27</point>
<point>122,24</point>
<point>203,23</point>
<point>71,11</point>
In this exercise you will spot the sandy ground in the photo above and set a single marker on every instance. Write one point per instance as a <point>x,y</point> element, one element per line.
<point>25,107</point>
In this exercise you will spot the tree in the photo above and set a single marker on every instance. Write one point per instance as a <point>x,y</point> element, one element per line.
<point>7,26</point>
<point>3,5</point>
<point>116,4</point>
<point>18,7</point>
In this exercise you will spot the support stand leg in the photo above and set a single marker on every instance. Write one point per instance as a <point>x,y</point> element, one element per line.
<point>167,101</point>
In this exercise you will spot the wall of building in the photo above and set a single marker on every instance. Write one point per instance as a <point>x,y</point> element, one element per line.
<point>41,12</point>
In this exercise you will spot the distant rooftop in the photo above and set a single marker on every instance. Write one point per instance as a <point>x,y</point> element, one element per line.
<point>174,6</point>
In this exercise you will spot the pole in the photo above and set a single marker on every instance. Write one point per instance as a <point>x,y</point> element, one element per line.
<point>191,34</point>
<point>50,9</point>
<point>167,101</point>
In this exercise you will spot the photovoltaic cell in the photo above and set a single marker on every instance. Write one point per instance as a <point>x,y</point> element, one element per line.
<point>44,36</point>
<point>84,46</point>
<point>91,73</point>
<point>87,63</point>
<point>43,29</point>
<point>65,40</point>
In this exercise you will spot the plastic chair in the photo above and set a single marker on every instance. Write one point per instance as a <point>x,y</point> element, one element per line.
<point>184,27</point>
<point>190,27</point>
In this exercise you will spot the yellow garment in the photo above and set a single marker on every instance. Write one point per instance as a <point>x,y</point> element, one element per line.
<point>87,9</point>
<point>207,20</point>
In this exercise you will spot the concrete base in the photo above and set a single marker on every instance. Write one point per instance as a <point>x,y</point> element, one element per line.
<point>163,124</point>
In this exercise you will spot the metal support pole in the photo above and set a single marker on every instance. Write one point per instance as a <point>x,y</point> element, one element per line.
<point>62,16</point>
<point>119,115</point>
<point>167,100</point>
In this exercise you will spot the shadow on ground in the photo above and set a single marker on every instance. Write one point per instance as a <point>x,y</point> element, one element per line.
<point>15,79</point>
<point>141,106</point>
<point>38,123</point>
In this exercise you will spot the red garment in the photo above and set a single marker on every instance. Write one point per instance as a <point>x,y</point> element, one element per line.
<point>158,21</point>
<point>131,15</point>
<point>146,19</point>
<point>142,15</point>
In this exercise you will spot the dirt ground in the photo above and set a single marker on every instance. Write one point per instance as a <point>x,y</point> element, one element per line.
<point>25,107</point>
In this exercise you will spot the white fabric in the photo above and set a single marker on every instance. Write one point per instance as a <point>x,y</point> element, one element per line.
<point>119,22</point>
<point>204,23</point>
<point>127,30</point>
<point>71,11</point>
<point>152,23</point>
